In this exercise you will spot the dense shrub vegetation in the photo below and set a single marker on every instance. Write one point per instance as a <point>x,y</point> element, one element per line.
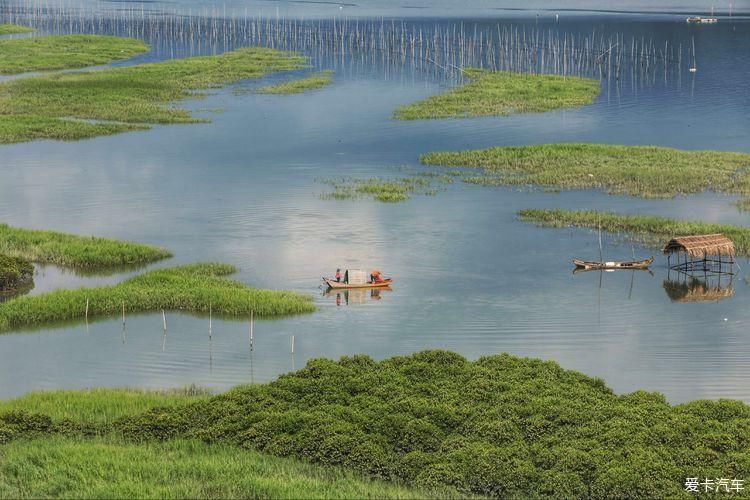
<point>498,426</point>
<point>106,467</point>
<point>15,273</point>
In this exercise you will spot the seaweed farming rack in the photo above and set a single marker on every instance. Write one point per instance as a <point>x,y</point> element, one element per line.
<point>441,47</point>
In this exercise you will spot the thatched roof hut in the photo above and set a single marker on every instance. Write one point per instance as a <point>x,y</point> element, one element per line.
<point>700,247</point>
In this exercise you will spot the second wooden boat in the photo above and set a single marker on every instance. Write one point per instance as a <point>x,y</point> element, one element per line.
<point>635,264</point>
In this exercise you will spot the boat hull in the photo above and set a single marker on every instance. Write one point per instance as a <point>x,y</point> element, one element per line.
<point>336,285</point>
<point>638,264</point>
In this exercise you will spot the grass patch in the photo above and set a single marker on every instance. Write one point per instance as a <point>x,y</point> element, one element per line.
<point>501,426</point>
<point>14,29</point>
<point>313,82</point>
<point>503,93</point>
<point>646,171</point>
<point>743,205</point>
<point>384,190</point>
<point>190,288</point>
<point>100,406</point>
<point>15,273</point>
<point>79,252</point>
<point>46,53</point>
<point>106,468</point>
<point>650,231</point>
<point>79,105</point>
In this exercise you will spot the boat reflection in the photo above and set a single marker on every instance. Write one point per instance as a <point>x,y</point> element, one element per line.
<point>356,296</point>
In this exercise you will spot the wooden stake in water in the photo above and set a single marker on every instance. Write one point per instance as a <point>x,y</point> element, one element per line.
<point>292,344</point>
<point>209,321</point>
<point>164,319</point>
<point>252,313</point>
<point>87,310</point>
<point>123,313</point>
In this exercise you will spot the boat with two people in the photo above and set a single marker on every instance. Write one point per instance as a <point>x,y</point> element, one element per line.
<point>357,278</point>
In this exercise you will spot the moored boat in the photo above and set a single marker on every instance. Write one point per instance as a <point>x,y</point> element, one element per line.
<point>636,264</point>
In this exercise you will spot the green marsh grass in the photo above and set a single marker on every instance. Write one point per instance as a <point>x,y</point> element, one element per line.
<point>80,252</point>
<point>651,231</point>
<point>68,106</point>
<point>645,171</point>
<point>101,406</point>
<point>314,81</point>
<point>190,288</point>
<point>15,273</point>
<point>108,468</point>
<point>14,29</point>
<point>503,93</point>
<point>385,190</point>
<point>46,53</point>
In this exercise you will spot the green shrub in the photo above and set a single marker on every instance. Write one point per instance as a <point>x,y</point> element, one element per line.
<point>499,426</point>
<point>15,273</point>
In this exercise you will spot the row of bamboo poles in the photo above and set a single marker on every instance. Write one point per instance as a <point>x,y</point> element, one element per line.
<point>445,48</point>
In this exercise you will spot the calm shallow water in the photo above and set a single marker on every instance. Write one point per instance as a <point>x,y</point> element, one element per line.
<point>469,276</point>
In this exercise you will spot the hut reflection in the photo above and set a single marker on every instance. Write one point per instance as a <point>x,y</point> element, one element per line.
<point>693,289</point>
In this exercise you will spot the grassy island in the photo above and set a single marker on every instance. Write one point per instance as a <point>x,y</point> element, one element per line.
<point>503,93</point>
<point>190,288</point>
<point>15,273</point>
<point>71,106</point>
<point>46,53</point>
<point>79,252</point>
<point>500,426</point>
<point>648,230</point>
<point>313,82</point>
<point>646,171</point>
<point>14,29</point>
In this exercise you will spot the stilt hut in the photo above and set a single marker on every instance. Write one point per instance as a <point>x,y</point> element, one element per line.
<point>708,253</point>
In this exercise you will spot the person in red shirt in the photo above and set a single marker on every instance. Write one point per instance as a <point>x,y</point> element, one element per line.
<point>338,275</point>
<point>375,277</point>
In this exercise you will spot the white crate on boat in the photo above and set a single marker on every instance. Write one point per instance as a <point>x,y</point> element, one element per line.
<point>355,277</point>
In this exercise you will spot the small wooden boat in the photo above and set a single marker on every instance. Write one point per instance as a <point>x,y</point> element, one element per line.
<point>702,20</point>
<point>332,283</point>
<point>636,264</point>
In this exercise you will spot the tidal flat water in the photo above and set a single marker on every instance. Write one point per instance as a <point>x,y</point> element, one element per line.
<point>469,276</point>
